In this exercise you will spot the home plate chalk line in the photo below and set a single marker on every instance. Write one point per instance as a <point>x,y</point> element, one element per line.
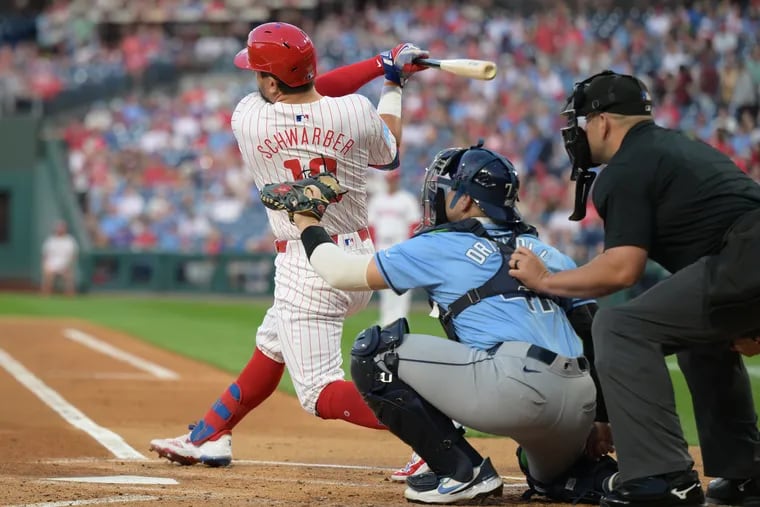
<point>92,501</point>
<point>116,479</point>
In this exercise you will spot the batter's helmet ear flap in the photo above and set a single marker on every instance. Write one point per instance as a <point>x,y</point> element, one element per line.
<point>280,49</point>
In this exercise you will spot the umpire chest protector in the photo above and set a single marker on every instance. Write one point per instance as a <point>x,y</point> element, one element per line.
<point>500,284</point>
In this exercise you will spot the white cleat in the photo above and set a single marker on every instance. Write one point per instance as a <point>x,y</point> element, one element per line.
<point>415,466</point>
<point>432,489</point>
<point>214,453</point>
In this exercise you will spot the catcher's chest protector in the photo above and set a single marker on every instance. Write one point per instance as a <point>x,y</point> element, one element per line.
<point>501,283</point>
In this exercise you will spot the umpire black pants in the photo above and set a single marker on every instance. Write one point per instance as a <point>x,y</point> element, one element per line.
<point>631,342</point>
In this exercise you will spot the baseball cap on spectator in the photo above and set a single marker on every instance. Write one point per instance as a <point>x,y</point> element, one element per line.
<point>610,92</point>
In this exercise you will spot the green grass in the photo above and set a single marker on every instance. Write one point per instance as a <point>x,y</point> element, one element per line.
<point>221,331</point>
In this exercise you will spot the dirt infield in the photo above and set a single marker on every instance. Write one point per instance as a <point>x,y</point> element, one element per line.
<point>111,385</point>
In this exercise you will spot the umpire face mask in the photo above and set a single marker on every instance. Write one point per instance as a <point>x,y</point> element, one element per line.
<point>574,136</point>
<point>578,149</point>
<point>579,152</point>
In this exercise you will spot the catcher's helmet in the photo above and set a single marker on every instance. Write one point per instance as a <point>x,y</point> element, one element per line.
<point>281,49</point>
<point>488,178</point>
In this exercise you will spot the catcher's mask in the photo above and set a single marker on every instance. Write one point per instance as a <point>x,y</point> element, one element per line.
<point>488,178</point>
<point>606,91</point>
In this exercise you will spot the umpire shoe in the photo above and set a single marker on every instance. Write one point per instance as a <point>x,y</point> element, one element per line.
<point>677,489</point>
<point>742,492</point>
<point>216,452</point>
<point>432,489</point>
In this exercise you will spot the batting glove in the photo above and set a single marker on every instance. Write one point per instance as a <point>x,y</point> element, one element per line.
<point>398,63</point>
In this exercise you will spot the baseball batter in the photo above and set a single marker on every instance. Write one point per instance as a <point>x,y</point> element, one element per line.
<point>287,130</point>
<point>392,217</point>
<point>513,365</point>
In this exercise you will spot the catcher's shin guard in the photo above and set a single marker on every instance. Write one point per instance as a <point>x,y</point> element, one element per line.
<point>426,429</point>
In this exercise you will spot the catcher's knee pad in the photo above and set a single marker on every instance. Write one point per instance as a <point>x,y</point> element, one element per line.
<point>372,358</point>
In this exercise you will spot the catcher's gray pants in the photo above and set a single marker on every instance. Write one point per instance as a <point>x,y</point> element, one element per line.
<point>630,342</point>
<point>547,408</point>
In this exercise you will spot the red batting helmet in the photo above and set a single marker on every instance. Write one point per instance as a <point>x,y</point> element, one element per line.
<point>280,49</point>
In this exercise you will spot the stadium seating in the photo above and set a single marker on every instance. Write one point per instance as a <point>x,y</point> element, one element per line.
<point>163,159</point>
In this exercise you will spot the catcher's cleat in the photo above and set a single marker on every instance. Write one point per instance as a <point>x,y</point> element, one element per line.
<point>430,488</point>
<point>415,466</point>
<point>214,453</point>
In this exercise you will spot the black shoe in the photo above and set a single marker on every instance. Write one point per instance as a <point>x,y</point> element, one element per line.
<point>742,492</point>
<point>679,489</point>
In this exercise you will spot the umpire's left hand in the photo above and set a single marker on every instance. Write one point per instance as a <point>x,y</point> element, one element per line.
<point>528,268</point>
<point>747,346</point>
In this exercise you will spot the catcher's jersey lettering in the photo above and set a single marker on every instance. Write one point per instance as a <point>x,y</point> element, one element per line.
<point>526,242</point>
<point>479,252</point>
<point>335,141</point>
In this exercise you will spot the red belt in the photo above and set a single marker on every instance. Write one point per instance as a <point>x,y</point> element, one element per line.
<point>281,245</point>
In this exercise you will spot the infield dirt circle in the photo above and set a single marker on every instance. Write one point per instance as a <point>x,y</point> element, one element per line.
<point>282,455</point>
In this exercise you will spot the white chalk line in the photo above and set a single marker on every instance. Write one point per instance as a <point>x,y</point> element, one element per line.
<point>106,348</point>
<point>69,412</point>
<point>250,462</point>
<point>117,479</point>
<point>92,501</point>
<point>286,480</point>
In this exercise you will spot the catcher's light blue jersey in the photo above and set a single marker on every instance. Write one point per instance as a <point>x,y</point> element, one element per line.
<point>448,264</point>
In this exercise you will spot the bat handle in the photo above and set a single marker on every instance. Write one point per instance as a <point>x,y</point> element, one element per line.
<point>428,62</point>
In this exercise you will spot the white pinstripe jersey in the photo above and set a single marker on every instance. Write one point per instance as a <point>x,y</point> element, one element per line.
<point>392,215</point>
<point>344,135</point>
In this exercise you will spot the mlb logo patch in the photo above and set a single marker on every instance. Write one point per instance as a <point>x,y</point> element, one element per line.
<point>302,118</point>
<point>348,241</point>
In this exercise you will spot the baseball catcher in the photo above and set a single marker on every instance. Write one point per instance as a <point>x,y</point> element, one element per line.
<point>513,366</point>
<point>309,196</point>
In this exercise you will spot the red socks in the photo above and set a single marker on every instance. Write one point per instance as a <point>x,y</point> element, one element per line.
<point>341,400</point>
<point>256,383</point>
<point>258,380</point>
<point>348,79</point>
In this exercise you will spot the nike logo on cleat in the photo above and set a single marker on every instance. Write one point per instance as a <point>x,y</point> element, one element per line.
<point>528,370</point>
<point>443,490</point>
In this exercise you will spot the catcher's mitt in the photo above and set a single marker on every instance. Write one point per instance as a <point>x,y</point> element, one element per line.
<point>309,196</point>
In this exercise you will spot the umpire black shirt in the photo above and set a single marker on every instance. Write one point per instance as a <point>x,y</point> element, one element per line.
<point>673,196</point>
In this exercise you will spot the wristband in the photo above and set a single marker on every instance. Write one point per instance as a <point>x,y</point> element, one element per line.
<point>390,101</point>
<point>312,237</point>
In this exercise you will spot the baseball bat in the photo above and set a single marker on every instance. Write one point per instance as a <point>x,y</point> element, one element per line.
<point>475,69</point>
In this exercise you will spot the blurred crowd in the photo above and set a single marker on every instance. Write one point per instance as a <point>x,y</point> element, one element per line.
<point>161,170</point>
